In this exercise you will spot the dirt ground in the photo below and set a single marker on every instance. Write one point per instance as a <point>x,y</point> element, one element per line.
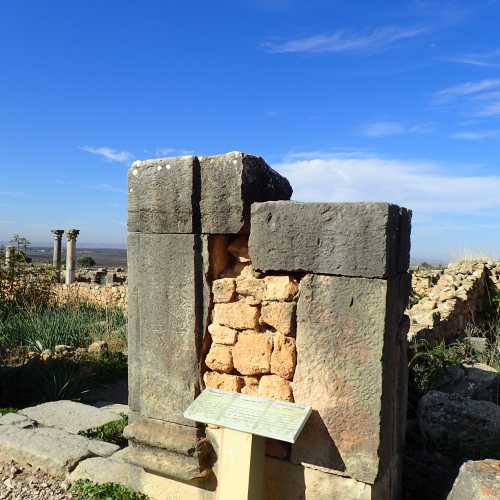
<point>26,483</point>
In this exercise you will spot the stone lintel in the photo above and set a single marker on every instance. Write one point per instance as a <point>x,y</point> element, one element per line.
<point>209,195</point>
<point>348,239</point>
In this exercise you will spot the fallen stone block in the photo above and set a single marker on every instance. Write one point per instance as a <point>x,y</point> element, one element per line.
<point>52,450</point>
<point>478,480</point>
<point>463,427</point>
<point>348,239</point>
<point>69,416</point>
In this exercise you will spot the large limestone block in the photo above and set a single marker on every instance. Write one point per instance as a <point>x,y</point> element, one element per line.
<point>477,481</point>
<point>211,195</point>
<point>349,363</point>
<point>52,450</point>
<point>350,239</point>
<point>230,183</point>
<point>160,195</point>
<point>168,309</point>
<point>69,416</point>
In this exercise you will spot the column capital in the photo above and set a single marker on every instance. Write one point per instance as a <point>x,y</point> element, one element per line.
<point>72,234</point>
<point>57,233</point>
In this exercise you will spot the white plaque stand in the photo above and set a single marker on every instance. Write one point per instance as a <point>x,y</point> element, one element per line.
<point>246,422</point>
<point>241,469</point>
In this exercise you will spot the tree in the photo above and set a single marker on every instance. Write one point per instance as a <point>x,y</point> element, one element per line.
<point>86,261</point>
<point>20,242</point>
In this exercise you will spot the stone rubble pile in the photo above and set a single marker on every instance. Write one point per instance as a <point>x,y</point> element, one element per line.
<point>252,331</point>
<point>101,295</point>
<point>459,297</point>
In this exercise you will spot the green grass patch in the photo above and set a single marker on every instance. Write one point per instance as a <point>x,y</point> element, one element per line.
<point>44,327</point>
<point>86,490</point>
<point>5,410</point>
<point>111,433</point>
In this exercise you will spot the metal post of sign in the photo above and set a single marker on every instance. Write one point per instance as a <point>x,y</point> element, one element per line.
<point>241,470</point>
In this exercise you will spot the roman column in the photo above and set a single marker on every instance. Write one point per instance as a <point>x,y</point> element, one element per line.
<point>10,253</point>
<point>56,256</point>
<point>71,234</point>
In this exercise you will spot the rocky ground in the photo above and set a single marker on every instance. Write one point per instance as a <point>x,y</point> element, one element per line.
<point>26,483</point>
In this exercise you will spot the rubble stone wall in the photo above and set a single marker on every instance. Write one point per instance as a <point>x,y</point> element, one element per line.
<point>459,297</point>
<point>101,295</point>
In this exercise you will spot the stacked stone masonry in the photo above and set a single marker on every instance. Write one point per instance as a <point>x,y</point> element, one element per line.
<point>231,286</point>
<point>101,295</point>
<point>459,298</point>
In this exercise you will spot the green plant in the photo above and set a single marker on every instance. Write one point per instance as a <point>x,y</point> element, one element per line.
<point>86,261</point>
<point>86,490</point>
<point>7,409</point>
<point>112,432</point>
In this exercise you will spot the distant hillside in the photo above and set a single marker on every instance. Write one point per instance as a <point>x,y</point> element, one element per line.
<point>104,257</point>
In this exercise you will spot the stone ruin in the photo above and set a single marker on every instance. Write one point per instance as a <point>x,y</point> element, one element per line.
<point>233,286</point>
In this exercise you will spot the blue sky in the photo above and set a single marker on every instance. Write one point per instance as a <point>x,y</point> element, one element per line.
<point>352,101</point>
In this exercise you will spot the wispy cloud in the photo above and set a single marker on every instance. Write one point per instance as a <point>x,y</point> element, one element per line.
<point>389,128</point>
<point>490,59</point>
<point>109,154</point>
<point>476,135</point>
<point>345,41</point>
<point>425,186</point>
<point>465,89</point>
<point>105,188</point>
<point>14,194</point>
<point>169,151</point>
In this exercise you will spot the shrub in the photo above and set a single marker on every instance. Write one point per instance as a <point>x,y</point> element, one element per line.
<point>86,261</point>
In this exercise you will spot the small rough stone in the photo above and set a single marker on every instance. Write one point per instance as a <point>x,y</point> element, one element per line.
<point>252,354</point>
<point>223,381</point>
<point>222,334</point>
<point>223,290</point>
<point>219,358</point>
<point>250,386</point>
<point>239,248</point>
<point>280,316</point>
<point>274,387</point>
<point>280,288</point>
<point>98,347</point>
<point>250,287</point>
<point>284,357</point>
<point>237,315</point>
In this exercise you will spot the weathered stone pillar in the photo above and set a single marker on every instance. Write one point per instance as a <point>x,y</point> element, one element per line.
<point>351,331</point>
<point>56,254</point>
<point>10,253</point>
<point>176,206</point>
<point>71,234</point>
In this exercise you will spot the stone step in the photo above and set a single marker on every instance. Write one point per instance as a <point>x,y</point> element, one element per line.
<point>52,450</point>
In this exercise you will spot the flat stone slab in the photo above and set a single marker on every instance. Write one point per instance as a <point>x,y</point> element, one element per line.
<point>104,470</point>
<point>478,480</point>
<point>117,408</point>
<point>69,416</point>
<point>52,450</point>
<point>17,420</point>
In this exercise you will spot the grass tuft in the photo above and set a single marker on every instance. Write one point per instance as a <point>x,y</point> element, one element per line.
<point>111,433</point>
<point>86,490</point>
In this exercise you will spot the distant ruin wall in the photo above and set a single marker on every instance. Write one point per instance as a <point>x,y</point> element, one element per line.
<point>101,295</point>
<point>460,296</point>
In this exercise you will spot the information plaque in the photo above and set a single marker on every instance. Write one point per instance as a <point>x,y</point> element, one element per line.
<point>260,416</point>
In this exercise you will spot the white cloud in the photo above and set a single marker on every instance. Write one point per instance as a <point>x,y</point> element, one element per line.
<point>344,41</point>
<point>489,59</point>
<point>476,135</point>
<point>159,152</point>
<point>105,188</point>
<point>109,154</point>
<point>465,89</point>
<point>388,128</point>
<point>423,186</point>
